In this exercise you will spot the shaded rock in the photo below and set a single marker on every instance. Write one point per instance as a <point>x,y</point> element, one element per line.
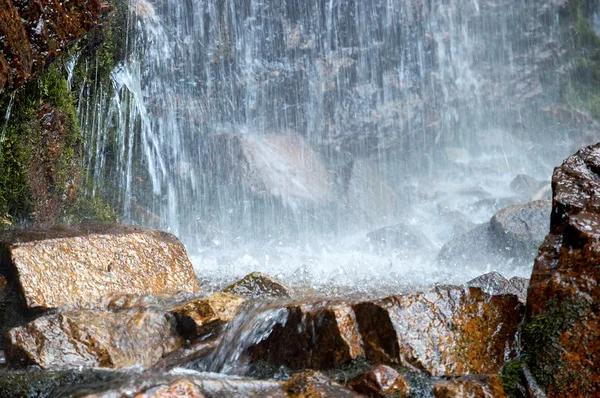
<point>448,331</point>
<point>562,334</point>
<point>400,237</point>
<point>73,266</point>
<point>317,336</point>
<point>478,247</point>
<point>200,317</point>
<point>470,387</point>
<point>35,32</point>
<point>259,285</point>
<point>517,286</point>
<point>380,381</point>
<point>491,283</point>
<point>523,227</point>
<point>93,339</point>
<point>311,384</point>
<point>525,185</point>
<point>269,166</point>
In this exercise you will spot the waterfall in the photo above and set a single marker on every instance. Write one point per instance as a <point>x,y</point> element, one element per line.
<point>391,91</point>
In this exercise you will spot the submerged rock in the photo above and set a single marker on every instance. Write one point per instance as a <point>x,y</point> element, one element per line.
<point>259,285</point>
<point>380,381</point>
<point>80,265</point>
<point>470,386</point>
<point>311,384</point>
<point>400,237</point>
<point>200,317</point>
<point>315,335</point>
<point>448,331</point>
<point>562,334</point>
<point>179,389</point>
<point>84,338</point>
<point>525,185</point>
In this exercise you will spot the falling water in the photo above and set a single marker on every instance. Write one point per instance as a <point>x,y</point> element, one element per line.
<point>415,110</point>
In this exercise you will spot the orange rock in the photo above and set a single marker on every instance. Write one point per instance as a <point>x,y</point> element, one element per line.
<point>380,381</point>
<point>449,331</point>
<point>311,384</point>
<point>562,335</point>
<point>315,335</point>
<point>179,389</point>
<point>481,386</point>
<point>259,285</point>
<point>80,265</point>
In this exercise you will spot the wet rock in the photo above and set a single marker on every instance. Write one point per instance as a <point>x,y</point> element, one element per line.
<point>311,384</point>
<point>87,338</point>
<point>201,316</point>
<point>491,283</point>
<point>523,227</point>
<point>562,334</point>
<point>470,386</point>
<point>511,238</point>
<point>380,381</point>
<point>517,286</point>
<point>315,335</point>
<point>79,265</point>
<point>525,185</point>
<point>259,285</point>
<point>179,389</point>
<point>35,32</point>
<point>269,166</point>
<point>400,237</point>
<point>448,331</point>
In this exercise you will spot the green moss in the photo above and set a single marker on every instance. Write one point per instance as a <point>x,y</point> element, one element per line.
<point>513,379</point>
<point>90,210</point>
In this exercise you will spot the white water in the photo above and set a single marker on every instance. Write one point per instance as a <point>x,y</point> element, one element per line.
<point>416,92</point>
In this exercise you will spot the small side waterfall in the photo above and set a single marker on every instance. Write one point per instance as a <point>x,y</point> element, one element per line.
<point>395,94</point>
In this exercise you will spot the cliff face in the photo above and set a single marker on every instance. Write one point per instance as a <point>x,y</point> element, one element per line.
<point>34,32</point>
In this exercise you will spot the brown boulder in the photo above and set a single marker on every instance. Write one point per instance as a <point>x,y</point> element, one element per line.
<point>179,389</point>
<point>480,386</point>
<point>562,335</point>
<point>311,384</point>
<point>87,338</point>
<point>448,331</point>
<point>315,335</point>
<point>259,285</point>
<point>380,381</point>
<point>199,317</point>
<point>77,265</point>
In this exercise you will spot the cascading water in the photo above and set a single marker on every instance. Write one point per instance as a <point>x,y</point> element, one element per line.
<point>416,109</point>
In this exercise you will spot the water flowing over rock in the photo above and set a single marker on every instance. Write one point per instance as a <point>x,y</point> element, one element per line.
<point>259,285</point>
<point>309,384</point>
<point>380,381</point>
<point>484,386</point>
<point>315,335</point>
<point>86,338</point>
<point>562,338</point>
<point>79,265</point>
<point>35,32</point>
<point>448,331</point>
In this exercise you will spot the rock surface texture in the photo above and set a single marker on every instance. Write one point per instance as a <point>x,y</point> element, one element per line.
<point>562,338</point>
<point>484,386</point>
<point>35,32</point>
<point>380,381</point>
<point>72,266</point>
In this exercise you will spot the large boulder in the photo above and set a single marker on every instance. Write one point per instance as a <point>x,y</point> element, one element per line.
<point>86,338</point>
<point>448,331</point>
<point>562,335</point>
<point>81,265</point>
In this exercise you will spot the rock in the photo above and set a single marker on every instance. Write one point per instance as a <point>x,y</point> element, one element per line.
<point>470,386</point>
<point>86,338</point>
<point>400,237</point>
<point>79,265</point>
<point>380,381</point>
<point>517,286</point>
<point>311,384</point>
<point>491,283</point>
<point>269,166</point>
<point>179,389</point>
<point>315,335</point>
<point>447,332</point>
<point>34,33</point>
<point>523,227</point>
<point>562,333</point>
<point>525,185</point>
<point>202,316</point>
<point>511,238</point>
<point>259,285</point>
